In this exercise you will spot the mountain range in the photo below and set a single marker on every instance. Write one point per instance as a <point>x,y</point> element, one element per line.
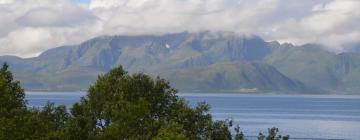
<point>195,62</point>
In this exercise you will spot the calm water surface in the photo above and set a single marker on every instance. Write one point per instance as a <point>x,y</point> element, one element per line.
<point>300,116</point>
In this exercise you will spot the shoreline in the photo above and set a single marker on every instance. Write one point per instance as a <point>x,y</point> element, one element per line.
<point>264,94</point>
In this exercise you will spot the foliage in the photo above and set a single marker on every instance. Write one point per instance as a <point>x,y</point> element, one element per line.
<point>173,132</point>
<point>118,106</point>
<point>12,95</point>
<point>19,123</point>
<point>12,106</point>
<point>124,106</point>
<point>239,135</point>
<point>272,135</point>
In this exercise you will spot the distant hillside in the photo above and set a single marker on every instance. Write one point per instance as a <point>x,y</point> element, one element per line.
<point>233,77</point>
<point>335,73</point>
<point>195,62</point>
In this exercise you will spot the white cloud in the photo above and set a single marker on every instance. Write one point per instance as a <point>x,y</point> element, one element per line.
<point>44,24</point>
<point>163,16</point>
<point>6,1</point>
<point>334,24</point>
<point>29,27</point>
<point>42,17</point>
<point>26,42</point>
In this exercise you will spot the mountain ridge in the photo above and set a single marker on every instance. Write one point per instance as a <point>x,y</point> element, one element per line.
<point>204,55</point>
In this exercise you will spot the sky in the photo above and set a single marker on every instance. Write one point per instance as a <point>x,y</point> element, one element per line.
<point>29,27</point>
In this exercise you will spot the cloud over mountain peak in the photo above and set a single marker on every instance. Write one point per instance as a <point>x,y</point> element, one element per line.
<point>333,23</point>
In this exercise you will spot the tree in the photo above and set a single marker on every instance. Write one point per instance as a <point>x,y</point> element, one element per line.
<point>11,94</point>
<point>12,106</point>
<point>172,132</point>
<point>118,106</point>
<point>135,106</point>
<point>17,122</point>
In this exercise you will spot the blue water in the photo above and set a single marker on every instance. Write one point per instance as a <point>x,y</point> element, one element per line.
<point>300,116</point>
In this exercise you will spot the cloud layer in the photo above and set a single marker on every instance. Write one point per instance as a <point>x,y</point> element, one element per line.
<point>28,27</point>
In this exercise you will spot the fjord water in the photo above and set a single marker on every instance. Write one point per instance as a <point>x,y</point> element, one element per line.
<point>300,116</point>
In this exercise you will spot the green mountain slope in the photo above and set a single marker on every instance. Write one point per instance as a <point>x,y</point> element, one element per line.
<point>202,62</point>
<point>233,77</point>
<point>318,68</point>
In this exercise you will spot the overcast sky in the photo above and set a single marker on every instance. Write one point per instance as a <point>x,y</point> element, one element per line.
<point>28,27</point>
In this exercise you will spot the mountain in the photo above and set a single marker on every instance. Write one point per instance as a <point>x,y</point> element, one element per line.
<point>232,77</point>
<point>316,67</point>
<point>194,62</point>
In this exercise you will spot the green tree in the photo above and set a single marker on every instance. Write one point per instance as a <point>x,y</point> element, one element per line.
<point>135,106</point>
<point>12,95</point>
<point>17,122</point>
<point>118,106</point>
<point>172,132</point>
<point>12,106</point>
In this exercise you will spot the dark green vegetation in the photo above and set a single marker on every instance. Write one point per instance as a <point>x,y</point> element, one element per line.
<point>195,62</point>
<point>118,106</point>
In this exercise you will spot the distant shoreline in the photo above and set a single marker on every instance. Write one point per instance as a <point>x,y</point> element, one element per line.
<point>209,93</point>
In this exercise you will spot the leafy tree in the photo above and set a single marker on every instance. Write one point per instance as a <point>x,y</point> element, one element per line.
<point>124,106</point>
<point>12,106</point>
<point>17,122</point>
<point>172,132</point>
<point>12,95</point>
<point>118,106</point>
